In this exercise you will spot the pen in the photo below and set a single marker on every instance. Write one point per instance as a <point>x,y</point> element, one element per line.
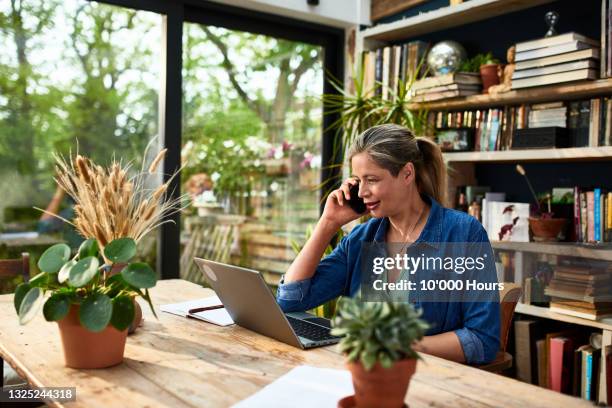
<point>202,309</point>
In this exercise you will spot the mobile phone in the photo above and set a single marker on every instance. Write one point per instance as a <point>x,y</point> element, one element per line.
<point>356,202</point>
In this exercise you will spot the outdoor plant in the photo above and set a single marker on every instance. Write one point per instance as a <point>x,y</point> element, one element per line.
<point>113,212</point>
<point>374,332</point>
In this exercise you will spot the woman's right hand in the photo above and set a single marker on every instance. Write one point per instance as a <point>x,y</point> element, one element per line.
<point>337,210</point>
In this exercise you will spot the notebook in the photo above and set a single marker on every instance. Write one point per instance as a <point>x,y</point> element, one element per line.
<point>208,309</point>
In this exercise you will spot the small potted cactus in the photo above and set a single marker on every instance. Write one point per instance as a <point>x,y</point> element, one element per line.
<point>378,340</point>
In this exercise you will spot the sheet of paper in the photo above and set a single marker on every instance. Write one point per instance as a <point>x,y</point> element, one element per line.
<point>303,387</point>
<point>216,316</point>
<point>182,309</point>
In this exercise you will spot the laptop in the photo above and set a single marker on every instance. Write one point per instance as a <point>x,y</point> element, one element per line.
<point>251,304</point>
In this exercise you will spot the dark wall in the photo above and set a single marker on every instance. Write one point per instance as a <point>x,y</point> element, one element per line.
<point>496,35</point>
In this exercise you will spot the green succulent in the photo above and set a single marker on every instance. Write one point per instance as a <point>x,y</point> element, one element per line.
<point>377,331</point>
<point>84,279</point>
<point>473,64</point>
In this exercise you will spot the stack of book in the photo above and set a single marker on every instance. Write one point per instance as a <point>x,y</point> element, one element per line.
<point>547,115</point>
<point>446,86</point>
<point>581,290</point>
<point>387,67</point>
<point>551,60</point>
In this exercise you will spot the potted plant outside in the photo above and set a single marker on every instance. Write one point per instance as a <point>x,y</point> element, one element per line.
<point>378,340</point>
<point>91,294</point>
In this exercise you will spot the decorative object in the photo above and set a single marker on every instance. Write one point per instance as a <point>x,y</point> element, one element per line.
<point>486,65</point>
<point>445,57</point>
<point>455,139</point>
<point>506,229</point>
<point>543,225</point>
<point>378,340</point>
<point>551,18</point>
<point>506,75</point>
<point>91,294</point>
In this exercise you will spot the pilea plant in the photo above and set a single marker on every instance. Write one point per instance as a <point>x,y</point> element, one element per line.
<point>374,332</point>
<point>88,280</point>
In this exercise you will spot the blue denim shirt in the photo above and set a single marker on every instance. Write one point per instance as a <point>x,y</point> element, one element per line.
<point>476,324</point>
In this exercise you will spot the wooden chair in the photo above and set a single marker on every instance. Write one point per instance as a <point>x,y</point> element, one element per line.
<point>10,268</point>
<point>508,299</point>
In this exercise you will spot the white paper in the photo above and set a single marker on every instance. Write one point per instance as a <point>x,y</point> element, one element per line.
<point>303,387</point>
<point>182,309</point>
<point>216,316</point>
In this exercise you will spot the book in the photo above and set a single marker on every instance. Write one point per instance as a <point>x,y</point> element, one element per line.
<point>526,335</point>
<point>577,372</point>
<point>542,363</point>
<point>597,215</point>
<point>444,95</point>
<point>581,74</point>
<point>594,122</point>
<point>589,53</point>
<point>208,309</point>
<point>553,69</point>
<point>560,359</point>
<point>553,40</point>
<point>553,50</point>
<point>582,314</point>
<point>450,87</point>
<point>447,79</point>
<point>590,197</point>
<point>590,372</point>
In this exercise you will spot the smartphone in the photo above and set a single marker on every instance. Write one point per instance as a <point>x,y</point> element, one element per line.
<point>356,202</point>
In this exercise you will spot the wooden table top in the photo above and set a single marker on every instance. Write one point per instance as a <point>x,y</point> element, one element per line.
<point>180,362</point>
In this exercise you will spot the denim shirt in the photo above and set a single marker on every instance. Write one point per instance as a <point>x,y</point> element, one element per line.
<point>476,324</point>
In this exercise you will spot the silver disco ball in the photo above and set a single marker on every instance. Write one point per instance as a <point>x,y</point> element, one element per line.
<point>445,57</point>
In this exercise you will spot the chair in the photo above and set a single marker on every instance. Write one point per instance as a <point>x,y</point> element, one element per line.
<point>508,299</point>
<point>10,268</point>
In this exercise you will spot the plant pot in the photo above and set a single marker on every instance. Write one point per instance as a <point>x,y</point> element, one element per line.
<point>86,349</point>
<point>137,309</point>
<point>382,387</point>
<point>489,75</point>
<point>547,229</point>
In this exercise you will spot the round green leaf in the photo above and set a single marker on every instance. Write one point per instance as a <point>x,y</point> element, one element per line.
<point>88,248</point>
<point>30,305</point>
<point>20,293</point>
<point>96,312</point>
<point>56,308</point>
<point>64,273</point>
<point>54,258</point>
<point>120,250</point>
<point>140,275</point>
<point>123,312</point>
<point>83,271</point>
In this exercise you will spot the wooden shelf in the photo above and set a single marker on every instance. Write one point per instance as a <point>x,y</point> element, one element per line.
<point>545,312</point>
<point>446,17</point>
<point>591,251</point>
<point>535,155</point>
<point>559,92</point>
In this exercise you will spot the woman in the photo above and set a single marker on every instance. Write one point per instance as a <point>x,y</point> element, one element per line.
<point>402,182</point>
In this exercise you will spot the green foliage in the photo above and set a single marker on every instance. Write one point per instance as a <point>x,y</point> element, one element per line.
<point>374,332</point>
<point>473,64</point>
<point>85,280</point>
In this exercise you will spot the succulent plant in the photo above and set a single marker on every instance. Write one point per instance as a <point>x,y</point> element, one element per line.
<point>374,332</point>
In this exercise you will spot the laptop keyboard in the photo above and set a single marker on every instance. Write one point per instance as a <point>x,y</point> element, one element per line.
<point>309,330</point>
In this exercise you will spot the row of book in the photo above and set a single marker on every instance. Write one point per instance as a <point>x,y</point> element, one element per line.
<point>389,66</point>
<point>592,215</point>
<point>556,59</point>
<point>570,361</point>
<point>586,123</point>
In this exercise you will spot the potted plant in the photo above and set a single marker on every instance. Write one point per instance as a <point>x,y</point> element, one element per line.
<point>378,340</point>
<point>488,67</point>
<point>91,294</point>
<point>544,226</point>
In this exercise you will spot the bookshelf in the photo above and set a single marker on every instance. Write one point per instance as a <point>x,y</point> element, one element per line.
<point>446,17</point>
<point>544,312</point>
<point>465,167</point>
<point>534,155</point>
<point>572,90</point>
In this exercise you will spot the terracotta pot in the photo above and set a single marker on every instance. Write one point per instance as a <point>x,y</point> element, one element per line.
<point>86,349</point>
<point>382,387</point>
<point>547,229</point>
<point>489,75</point>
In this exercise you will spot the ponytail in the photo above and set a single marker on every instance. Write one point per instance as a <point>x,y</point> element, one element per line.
<point>431,170</point>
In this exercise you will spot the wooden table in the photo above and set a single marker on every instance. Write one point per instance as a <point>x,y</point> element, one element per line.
<point>179,362</point>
